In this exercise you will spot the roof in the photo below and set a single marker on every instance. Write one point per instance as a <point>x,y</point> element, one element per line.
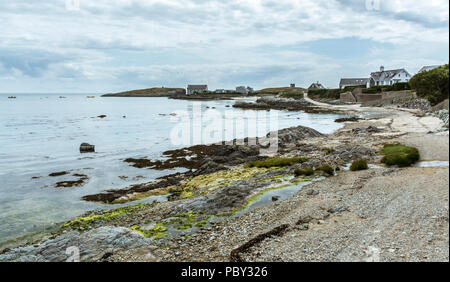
<point>316,85</point>
<point>354,81</point>
<point>428,68</point>
<point>197,87</point>
<point>388,74</point>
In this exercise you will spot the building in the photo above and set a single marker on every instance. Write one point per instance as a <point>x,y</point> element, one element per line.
<point>242,90</point>
<point>196,89</point>
<point>220,91</point>
<point>428,68</point>
<point>354,82</point>
<point>389,77</point>
<point>316,85</point>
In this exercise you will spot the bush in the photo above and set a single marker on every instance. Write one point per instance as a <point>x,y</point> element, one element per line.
<point>399,86</point>
<point>432,85</point>
<point>359,165</point>
<point>398,154</point>
<point>276,162</point>
<point>325,93</point>
<point>304,172</point>
<point>327,169</point>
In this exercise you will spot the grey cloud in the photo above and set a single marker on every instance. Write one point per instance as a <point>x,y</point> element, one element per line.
<point>32,63</point>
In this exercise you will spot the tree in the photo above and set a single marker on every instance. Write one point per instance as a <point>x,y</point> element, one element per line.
<point>432,85</point>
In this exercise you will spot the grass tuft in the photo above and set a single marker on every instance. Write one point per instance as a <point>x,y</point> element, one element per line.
<point>398,154</point>
<point>359,165</point>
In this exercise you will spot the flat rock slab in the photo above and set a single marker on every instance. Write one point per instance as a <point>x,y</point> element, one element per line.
<point>93,245</point>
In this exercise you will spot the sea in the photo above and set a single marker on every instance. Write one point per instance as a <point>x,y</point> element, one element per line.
<point>40,134</point>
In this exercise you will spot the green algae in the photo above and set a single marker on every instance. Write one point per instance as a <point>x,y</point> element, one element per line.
<point>102,216</point>
<point>276,162</point>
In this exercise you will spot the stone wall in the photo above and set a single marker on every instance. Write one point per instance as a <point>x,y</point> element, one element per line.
<point>347,97</point>
<point>392,97</point>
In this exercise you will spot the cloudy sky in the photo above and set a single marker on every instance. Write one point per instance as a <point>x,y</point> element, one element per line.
<point>99,46</point>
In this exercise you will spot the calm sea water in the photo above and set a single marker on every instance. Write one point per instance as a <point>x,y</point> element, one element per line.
<point>41,134</point>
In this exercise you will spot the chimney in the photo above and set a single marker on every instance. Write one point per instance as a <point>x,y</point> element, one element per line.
<point>382,68</point>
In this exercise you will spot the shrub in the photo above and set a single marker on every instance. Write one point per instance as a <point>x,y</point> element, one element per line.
<point>398,154</point>
<point>359,165</point>
<point>399,86</point>
<point>327,169</point>
<point>304,172</point>
<point>432,85</point>
<point>325,93</point>
<point>276,162</point>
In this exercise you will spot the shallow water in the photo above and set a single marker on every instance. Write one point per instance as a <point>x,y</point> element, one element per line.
<point>41,134</point>
<point>432,164</point>
<point>283,193</point>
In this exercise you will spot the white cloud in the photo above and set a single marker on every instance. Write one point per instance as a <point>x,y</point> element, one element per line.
<point>110,39</point>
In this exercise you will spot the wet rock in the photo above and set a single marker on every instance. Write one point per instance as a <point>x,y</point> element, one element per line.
<point>55,174</point>
<point>87,148</point>
<point>275,198</point>
<point>101,116</point>
<point>91,246</point>
<point>353,118</point>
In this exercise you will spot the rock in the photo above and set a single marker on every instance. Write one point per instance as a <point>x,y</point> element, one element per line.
<point>368,129</point>
<point>443,115</point>
<point>420,104</point>
<point>353,118</point>
<point>312,192</point>
<point>93,245</point>
<point>101,116</point>
<point>275,198</point>
<point>87,148</point>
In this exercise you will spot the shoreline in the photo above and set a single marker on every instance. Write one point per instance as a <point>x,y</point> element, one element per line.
<point>240,185</point>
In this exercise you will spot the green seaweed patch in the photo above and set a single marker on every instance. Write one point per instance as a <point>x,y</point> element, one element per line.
<point>158,231</point>
<point>304,172</point>
<point>93,218</point>
<point>359,165</point>
<point>276,162</point>
<point>398,154</point>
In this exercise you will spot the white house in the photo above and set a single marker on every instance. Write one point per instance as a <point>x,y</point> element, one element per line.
<point>192,89</point>
<point>389,77</point>
<point>242,90</point>
<point>428,68</point>
<point>354,82</point>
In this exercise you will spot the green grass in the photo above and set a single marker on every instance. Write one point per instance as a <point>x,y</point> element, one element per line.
<point>276,162</point>
<point>327,169</point>
<point>304,172</point>
<point>398,154</point>
<point>359,165</point>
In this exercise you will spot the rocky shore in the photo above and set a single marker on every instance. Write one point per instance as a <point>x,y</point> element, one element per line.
<point>235,205</point>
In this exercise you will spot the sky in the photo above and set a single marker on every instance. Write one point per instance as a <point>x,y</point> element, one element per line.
<point>103,46</point>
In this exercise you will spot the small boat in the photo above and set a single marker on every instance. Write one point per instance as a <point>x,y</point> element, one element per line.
<point>11,97</point>
<point>90,96</point>
<point>62,97</point>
